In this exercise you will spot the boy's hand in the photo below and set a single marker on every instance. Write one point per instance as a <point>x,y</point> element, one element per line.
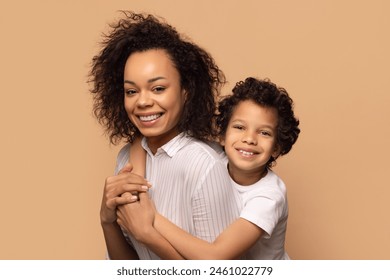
<point>137,218</point>
<point>118,190</point>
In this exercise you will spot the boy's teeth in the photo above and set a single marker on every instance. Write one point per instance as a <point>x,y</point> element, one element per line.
<point>246,153</point>
<point>149,118</point>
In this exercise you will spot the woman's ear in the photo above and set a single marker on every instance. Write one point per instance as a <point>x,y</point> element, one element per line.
<point>221,140</point>
<point>185,94</point>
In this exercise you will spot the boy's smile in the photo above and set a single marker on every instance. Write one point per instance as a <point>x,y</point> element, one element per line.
<point>250,141</point>
<point>246,152</point>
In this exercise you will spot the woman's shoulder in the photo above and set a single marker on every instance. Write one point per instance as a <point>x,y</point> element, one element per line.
<point>201,155</point>
<point>207,148</point>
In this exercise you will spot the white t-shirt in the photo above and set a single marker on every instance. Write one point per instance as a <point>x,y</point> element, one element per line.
<point>190,187</point>
<point>265,205</point>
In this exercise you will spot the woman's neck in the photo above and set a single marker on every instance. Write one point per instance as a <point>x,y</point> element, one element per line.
<point>156,142</point>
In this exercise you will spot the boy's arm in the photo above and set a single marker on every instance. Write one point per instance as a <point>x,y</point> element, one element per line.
<point>230,244</point>
<point>160,246</point>
<point>138,157</point>
<point>260,215</point>
<point>214,202</point>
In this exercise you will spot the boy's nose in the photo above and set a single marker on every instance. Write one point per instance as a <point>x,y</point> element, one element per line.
<point>249,138</point>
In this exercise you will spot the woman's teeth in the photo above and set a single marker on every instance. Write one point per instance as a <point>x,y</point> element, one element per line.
<point>149,118</point>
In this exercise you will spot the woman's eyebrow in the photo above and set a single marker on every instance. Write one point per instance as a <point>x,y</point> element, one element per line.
<point>149,81</point>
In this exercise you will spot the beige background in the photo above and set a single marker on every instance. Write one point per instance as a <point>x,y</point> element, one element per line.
<point>332,56</point>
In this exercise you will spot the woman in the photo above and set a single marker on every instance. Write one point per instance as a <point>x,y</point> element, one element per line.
<point>148,81</point>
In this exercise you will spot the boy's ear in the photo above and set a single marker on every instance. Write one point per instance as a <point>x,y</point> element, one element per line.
<point>276,152</point>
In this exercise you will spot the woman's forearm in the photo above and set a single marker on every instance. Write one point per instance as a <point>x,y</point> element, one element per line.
<point>117,246</point>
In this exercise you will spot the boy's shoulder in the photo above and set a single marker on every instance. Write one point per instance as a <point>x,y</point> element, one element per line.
<point>124,152</point>
<point>273,183</point>
<point>122,157</point>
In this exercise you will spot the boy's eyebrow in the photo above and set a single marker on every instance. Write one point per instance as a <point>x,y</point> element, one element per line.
<point>149,81</point>
<point>263,125</point>
<point>269,126</point>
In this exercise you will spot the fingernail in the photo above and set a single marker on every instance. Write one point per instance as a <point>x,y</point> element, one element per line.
<point>134,197</point>
<point>144,187</point>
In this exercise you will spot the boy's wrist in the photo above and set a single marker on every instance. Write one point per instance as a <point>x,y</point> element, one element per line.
<point>145,235</point>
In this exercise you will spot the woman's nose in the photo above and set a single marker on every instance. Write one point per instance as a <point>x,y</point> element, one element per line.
<point>144,99</point>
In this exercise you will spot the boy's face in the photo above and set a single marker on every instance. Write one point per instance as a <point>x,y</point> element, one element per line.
<point>250,141</point>
<point>154,98</point>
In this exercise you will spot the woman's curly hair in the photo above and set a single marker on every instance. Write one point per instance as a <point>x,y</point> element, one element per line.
<point>267,94</point>
<point>199,76</point>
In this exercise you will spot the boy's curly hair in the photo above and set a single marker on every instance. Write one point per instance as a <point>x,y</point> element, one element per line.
<point>199,76</point>
<point>267,94</point>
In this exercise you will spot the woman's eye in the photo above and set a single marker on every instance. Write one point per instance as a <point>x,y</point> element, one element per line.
<point>240,127</point>
<point>130,91</point>
<point>159,89</point>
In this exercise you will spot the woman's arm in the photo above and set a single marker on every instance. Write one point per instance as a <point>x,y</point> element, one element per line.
<point>115,186</point>
<point>117,246</point>
<point>137,218</point>
<point>230,244</point>
<point>131,219</point>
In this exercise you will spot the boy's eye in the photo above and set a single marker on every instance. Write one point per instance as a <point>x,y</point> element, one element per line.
<point>265,133</point>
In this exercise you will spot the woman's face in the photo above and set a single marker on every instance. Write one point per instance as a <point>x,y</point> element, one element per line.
<point>154,99</point>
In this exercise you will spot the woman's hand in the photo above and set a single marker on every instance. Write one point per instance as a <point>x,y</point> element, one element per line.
<point>137,218</point>
<point>119,190</point>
